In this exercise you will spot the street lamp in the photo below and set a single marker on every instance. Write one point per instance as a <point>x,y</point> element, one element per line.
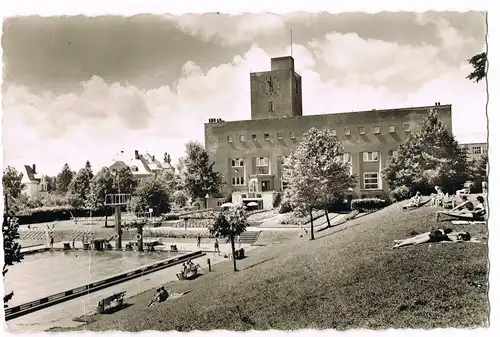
<point>206,200</point>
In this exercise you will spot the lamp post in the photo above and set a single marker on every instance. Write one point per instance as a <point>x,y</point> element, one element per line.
<point>206,200</point>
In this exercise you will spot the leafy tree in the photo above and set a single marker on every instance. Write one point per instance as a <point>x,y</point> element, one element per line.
<point>64,178</point>
<point>12,182</point>
<point>79,188</point>
<point>102,184</point>
<point>479,63</point>
<point>51,183</point>
<point>230,223</point>
<point>11,248</point>
<point>478,170</point>
<point>125,181</point>
<point>180,198</point>
<point>316,173</point>
<point>199,177</point>
<point>427,158</point>
<point>170,179</point>
<point>152,192</point>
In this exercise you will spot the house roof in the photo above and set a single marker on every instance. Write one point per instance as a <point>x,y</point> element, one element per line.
<point>145,163</point>
<point>31,174</point>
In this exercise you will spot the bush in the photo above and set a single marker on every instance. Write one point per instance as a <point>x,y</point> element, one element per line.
<point>277,200</point>
<point>179,235</point>
<point>60,213</point>
<point>285,207</point>
<point>168,217</point>
<point>400,193</point>
<point>368,204</point>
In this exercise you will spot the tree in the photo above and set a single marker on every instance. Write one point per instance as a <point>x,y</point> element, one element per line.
<point>180,198</point>
<point>478,170</point>
<point>125,181</point>
<point>230,223</point>
<point>11,247</point>
<point>152,192</point>
<point>170,179</point>
<point>12,182</point>
<point>427,158</point>
<point>479,63</point>
<point>199,177</point>
<point>51,183</point>
<point>79,188</point>
<point>102,184</point>
<point>64,178</point>
<point>316,173</point>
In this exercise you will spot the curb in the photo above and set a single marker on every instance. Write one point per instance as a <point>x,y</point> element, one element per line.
<point>26,308</point>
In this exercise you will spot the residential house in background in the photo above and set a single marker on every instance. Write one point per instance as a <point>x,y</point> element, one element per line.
<point>35,185</point>
<point>476,144</point>
<point>142,165</point>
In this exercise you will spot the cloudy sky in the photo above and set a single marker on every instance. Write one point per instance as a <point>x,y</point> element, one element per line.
<point>78,88</point>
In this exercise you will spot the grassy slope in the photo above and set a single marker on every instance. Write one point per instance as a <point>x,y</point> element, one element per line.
<point>352,279</point>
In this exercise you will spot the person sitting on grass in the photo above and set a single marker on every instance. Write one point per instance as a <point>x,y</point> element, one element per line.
<point>437,199</point>
<point>161,295</point>
<point>439,235</point>
<point>414,202</point>
<point>466,209</point>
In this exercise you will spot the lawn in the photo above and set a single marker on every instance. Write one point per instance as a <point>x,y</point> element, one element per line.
<point>349,277</point>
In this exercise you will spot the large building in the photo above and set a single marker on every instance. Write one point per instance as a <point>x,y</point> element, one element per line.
<point>476,150</point>
<point>250,153</point>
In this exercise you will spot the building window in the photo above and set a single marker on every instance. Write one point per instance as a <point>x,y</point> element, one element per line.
<point>242,138</point>
<point>361,130</point>
<point>392,128</point>
<point>266,136</point>
<point>262,161</point>
<point>406,127</point>
<point>292,135</point>
<point>254,137</point>
<point>238,181</point>
<point>271,106</point>
<point>477,150</point>
<point>371,181</point>
<point>229,139</point>
<point>376,130</point>
<point>370,156</point>
<point>280,135</point>
<point>237,162</point>
<point>347,132</point>
<point>284,185</point>
<point>392,153</point>
<point>220,202</point>
<point>348,160</point>
<point>334,133</point>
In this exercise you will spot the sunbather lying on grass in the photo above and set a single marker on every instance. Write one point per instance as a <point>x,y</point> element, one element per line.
<point>466,210</point>
<point>439,235</point>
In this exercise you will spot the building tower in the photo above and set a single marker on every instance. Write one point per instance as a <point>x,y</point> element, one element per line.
<point>278,92</point>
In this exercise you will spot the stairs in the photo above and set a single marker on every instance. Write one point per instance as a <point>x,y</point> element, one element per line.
<point>249,237</point>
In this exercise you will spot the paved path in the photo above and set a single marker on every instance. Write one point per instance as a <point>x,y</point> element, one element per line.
<point>61,315</point>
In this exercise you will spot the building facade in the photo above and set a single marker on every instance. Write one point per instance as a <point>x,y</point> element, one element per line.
<point>142,165</point>
<point>34,185</point>
<point>476,150</point>
<point>250,153</point>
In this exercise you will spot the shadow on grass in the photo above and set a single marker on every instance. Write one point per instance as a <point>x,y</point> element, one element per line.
<point>90,318</point>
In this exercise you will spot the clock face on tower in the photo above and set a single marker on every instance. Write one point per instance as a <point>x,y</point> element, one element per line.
<point>270,85</point>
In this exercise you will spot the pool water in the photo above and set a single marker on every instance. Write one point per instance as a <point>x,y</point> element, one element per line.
<point>49,273</point>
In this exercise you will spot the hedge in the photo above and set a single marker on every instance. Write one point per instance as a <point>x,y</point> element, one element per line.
<point>60,213</point>
<point>368,204</point>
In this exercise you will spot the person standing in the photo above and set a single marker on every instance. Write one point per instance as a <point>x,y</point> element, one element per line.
<point>198,244</point>
<point>216,247</point>
<point>484,186</point>
<point>51,242</point>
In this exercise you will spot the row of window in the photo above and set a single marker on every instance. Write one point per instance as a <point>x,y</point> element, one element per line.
<point>370,181</point>
<point>264,161</point>
<point>477,150</point>
<point>347,132</point>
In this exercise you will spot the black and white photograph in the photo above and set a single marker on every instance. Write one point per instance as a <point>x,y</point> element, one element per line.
<point>252,171</point>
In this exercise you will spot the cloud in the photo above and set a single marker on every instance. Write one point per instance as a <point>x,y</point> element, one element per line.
<point>101,118</point>
<point>229,30</point>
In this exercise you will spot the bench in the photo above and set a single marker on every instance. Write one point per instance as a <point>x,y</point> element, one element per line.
<point>189,273</point>
<point>239,254</point>
<point>112,302</point>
